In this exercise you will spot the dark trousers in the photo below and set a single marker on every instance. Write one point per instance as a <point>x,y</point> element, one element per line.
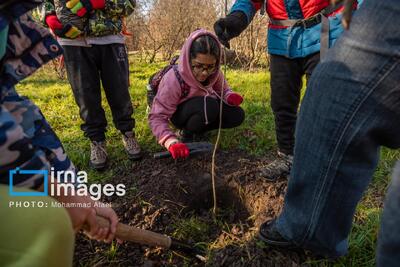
<point>350,110</point>
<point>190,115</point>
<point>387,254</point>
<point>286,84</point>
<point>86,68</point>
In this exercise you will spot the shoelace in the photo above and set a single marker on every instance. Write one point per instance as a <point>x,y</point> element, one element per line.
<point>98,151</point>
<point>131,143</point>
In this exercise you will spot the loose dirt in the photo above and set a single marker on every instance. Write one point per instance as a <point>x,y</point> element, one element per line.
<point>175,198</point>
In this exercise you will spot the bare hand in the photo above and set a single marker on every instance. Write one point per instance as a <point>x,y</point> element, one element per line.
<point>109,214</point>
<point>81,216</point>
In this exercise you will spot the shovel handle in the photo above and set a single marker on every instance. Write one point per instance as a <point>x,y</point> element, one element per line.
<point>134,234</point>
<point>162,155</point>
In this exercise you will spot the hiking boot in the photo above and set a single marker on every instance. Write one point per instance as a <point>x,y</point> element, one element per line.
<point>98,155</point>
<point>131,146</point>
<point>270,235</point>
<point>278,168</point>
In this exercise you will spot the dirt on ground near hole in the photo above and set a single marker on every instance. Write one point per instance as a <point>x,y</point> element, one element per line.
<point>175,198</point>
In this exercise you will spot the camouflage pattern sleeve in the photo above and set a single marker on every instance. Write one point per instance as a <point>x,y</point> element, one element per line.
<point>118,8</point>
<point>27,142</point>
<point>26,139</point>
<point>16,150</point>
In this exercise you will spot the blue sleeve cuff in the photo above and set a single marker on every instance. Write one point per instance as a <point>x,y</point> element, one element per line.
<point>246,6</point>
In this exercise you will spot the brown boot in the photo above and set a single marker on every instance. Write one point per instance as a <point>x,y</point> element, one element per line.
<point>278,168</point>
<point>131,146</point>
<point>98,155</point>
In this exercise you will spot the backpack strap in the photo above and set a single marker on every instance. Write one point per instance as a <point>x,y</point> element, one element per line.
<point>184,86</point>
<point>174,60</point>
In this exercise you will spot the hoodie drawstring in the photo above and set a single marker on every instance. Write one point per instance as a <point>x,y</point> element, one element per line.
<point>205,104</point>
<point>205,108</point>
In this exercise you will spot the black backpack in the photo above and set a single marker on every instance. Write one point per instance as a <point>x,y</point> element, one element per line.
<point>155,79</point>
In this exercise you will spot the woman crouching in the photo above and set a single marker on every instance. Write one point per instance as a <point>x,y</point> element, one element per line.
<point>189,96</point>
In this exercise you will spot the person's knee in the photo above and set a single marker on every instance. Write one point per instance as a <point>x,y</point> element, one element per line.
<point>239,116</point>
<point>57,235</point>
<point>196,123</point>
<point>45,235</point>
<point>61,225</point>
<point>236,118</point>
<point>212,109</point>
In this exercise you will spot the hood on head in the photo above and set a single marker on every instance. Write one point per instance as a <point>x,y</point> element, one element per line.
<point>184,66</point>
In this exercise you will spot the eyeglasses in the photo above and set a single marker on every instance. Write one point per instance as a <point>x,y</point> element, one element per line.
<point>199,68</point>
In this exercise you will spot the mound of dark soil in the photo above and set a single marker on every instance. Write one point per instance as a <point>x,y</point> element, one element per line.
<point>160,193</point>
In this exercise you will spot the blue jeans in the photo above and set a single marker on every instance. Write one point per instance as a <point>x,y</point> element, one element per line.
<point>389,236</point>
<point>351,109</point>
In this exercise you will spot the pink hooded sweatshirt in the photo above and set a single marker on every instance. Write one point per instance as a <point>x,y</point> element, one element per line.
<point>169,94</point>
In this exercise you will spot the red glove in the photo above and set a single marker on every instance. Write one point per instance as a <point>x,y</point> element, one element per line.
<point>81,7</point>
<point>234,99</point>
<point>179,150</point>
<point>67,31</point>
<point>53,22</point>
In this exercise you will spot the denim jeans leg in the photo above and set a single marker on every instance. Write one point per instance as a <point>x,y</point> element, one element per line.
<point>350,109</point>
<point>389,236</point>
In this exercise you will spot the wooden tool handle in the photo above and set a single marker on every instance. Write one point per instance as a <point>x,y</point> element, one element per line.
<point>136,235</point>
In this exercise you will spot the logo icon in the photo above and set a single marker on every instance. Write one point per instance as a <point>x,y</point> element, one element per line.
<point>14,174</point>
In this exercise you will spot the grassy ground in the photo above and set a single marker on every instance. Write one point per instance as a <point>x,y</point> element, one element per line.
<point>255,136</point>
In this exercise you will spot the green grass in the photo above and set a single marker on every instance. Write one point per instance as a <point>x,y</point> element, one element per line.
<point>256,136</point>
<point>191,228</point>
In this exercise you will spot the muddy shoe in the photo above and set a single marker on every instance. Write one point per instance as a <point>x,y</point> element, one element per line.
<point>270,235</point>
<point>132,147</point>
<point>278,168</point>
<point>98,155</point>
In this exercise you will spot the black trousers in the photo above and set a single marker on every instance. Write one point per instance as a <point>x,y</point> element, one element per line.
<point>190,115</point>
<point>286,84</point>
<point>86,68</point>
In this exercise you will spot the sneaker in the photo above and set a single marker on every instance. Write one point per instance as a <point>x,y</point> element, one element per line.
<point>131,146</point>
<point>270,235</point>
<point>98,155</point>
<point>278,168</point>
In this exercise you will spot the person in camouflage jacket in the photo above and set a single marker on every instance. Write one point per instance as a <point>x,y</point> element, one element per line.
<point>101,21</point>
<point>26,139</point>
<point>32,235</point>
<point>95,54</point>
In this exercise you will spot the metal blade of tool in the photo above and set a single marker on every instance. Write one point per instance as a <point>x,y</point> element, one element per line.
<point>195,148</point>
